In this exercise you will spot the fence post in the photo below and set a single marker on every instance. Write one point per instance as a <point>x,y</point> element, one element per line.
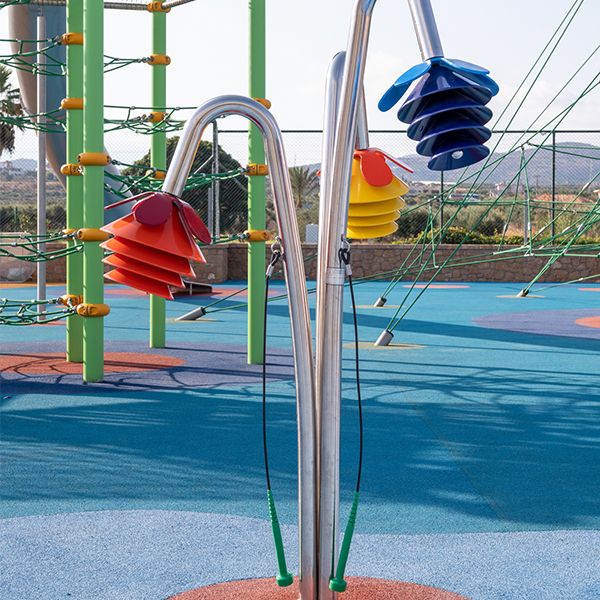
<point>553,208</point>
<point>442,190</point>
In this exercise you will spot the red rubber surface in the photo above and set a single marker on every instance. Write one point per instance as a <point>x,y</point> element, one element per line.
<point>54,363</point>
<point>439,286</point>
<point>589,322</point>
<point>359,588</point>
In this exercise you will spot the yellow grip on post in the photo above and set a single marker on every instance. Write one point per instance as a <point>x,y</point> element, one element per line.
<point>266,103</point>
<point>159,59</point>
<point>257,235</point>
<point>71,39</point>
<point>93,310</point>
<point>71,104</point>
<point>70,169</point>
<point>93,159</point>
<point>89,234</point>
<point>157,7</point>
<point>256,170</point>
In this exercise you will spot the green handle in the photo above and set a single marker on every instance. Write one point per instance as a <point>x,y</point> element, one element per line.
<point>283,578</point>
<point>338,583</point>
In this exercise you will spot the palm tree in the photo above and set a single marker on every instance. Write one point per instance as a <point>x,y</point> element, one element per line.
<point>9,108</point>
<point>305,185</point>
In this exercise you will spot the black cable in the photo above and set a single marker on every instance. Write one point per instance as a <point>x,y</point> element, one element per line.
<point>274,260</point>
<point>344,255</point>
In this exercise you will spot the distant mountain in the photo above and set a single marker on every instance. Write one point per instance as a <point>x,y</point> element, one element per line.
<point>576,164</point>
<point>19,164</point>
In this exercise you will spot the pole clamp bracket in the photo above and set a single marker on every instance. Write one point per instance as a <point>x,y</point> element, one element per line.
<point>335,276</point>
<point>93,310</point>
<point>257,235</point>
<point>158,59</point>
<point>71,300</point>
<point>264,101</point>
<point>71,104</point>
<point>71,169</point>
<point>89,234</point>
<point>156,116</point>
<point>257,170</point>
<point>93,159</point>
<point>157,7</point>
<point>71,38</point>
<point>156,174</point>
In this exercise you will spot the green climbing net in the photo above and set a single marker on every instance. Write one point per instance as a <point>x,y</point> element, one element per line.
<point>34,312</point>
<point>32,248</point>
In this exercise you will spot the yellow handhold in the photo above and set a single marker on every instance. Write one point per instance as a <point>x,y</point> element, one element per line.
<point>93,310</point>
<point>159,59</point>
<point>372,220</point>
<point>93,159</point>
<point>257,235</point>
<point>71,104</point>
<point>376,231</point>
<point>257,170</point>
<point>72,38</point>
<point>361,192</point>
<point>376,208</point>
<point>92,235</point>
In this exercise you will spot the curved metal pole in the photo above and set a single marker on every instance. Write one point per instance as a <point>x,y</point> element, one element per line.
<point>297,293</point>
<point>426,29</point>
<point>336,178</point>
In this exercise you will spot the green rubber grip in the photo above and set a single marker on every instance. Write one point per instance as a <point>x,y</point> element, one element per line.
<point>283,578</point>
<point>338,583</point>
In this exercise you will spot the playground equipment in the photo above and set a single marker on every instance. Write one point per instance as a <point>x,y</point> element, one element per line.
<point>446,110</point>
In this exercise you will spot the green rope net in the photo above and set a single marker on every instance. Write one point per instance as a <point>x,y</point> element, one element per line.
<point>32,248</point>
<point>34,312</point>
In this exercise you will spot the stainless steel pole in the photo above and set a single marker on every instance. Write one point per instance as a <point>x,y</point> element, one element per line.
<point>297,292</point>
<point>336,178</point>
<point>41,159</point>
<point>216,183</point>
<point>426,29</point>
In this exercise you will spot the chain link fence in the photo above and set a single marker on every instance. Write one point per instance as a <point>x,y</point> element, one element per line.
<point>532,182</point>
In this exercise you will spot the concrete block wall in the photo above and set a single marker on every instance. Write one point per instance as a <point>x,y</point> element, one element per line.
<point>229,261</point>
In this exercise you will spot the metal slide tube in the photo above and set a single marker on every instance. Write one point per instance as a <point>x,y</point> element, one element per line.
<point>426,29</point>
<point>330,291</point>
<point>297,292</point>
<point>41,160</point>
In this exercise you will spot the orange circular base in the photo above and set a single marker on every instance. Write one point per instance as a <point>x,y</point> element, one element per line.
<point>359,588</point>
<point>589,322</point>
<point>54,363</point>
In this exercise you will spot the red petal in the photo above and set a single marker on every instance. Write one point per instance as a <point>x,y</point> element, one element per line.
<point>374,168</point>
<point>154,210</point>
<point>194,223</point>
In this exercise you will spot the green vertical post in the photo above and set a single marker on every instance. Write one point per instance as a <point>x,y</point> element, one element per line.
<point>256,187</point>
<point>74,136</point>
<point>93,184</point>
<point>158,158</point>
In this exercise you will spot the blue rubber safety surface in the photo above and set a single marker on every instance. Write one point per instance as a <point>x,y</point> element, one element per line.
<point>479,439</point>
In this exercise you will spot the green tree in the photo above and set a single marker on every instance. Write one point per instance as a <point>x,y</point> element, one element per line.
<point>305,185</point>
<point>8,108</point>
<point>233,198</point>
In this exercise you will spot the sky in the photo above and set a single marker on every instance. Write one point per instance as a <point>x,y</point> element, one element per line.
<point>208,44</point>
